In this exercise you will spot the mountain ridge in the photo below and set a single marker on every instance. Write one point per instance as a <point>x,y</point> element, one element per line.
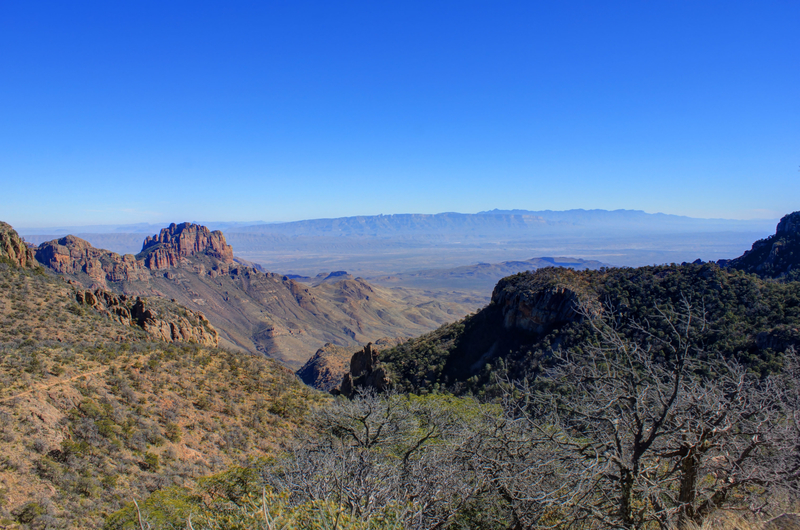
<point>257,311</point>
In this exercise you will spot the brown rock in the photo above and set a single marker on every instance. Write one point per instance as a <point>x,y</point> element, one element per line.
<point>166,250</point>
<point>536,310</point>
<point>74,256</point>
<point>13,248</point>
<point>173,323</point>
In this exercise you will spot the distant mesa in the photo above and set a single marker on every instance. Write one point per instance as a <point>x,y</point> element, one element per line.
<point>337,276</point>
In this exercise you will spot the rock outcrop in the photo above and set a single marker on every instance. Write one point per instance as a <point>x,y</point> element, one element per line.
<point>365,372</point>
<point>537,309</point>
<point>176,242</point>
<point>72,255</point>
<point>326,369</point>
<point>169,322</point>
<point>14,249</point>
<point>777,256</point>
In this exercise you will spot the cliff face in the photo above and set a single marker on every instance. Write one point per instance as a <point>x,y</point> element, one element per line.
<point>72,255</point>
<point>327,368</point>
<point>777,256</point>
<point>176,242</point>
<point>13,248</point>
<point>365,372</point>
<point>535,311</point>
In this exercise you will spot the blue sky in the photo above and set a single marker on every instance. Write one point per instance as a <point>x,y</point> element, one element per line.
<point>120,112</point>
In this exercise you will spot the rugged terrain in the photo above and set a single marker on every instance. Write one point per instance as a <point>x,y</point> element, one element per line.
<point>777,256</point>
<point>95,411</point>
<point>252,310</point>
<point>750,318</point>
<point>326,368</point>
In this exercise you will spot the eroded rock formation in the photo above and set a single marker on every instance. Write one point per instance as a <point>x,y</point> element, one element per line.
<point>777,256</point>
<point>179,241</point>
<point>13,248</point>
<point>72,256</point>
<point>365,372</point>
<point>170,323</point>
<point>536,311</point>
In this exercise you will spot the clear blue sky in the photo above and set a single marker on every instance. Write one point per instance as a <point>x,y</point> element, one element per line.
<point>139,111</point>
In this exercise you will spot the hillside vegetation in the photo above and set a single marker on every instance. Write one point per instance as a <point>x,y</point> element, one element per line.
<point>531,314</point>
<point>655,397</point>
<point>94,412</point>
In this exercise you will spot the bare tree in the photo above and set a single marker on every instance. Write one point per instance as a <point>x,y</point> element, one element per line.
<point>378,452</point>
<point>636,432</point>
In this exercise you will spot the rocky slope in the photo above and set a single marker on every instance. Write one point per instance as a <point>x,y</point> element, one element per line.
<point>160,319</point>
<point>14,249</point>
<point>94,412</point>
<point>252,310</point>
<point>777,256</point>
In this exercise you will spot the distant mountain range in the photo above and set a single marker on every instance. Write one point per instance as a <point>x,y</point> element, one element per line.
<point>389,244</point>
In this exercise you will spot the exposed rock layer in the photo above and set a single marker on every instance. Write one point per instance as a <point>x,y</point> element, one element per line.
<point>535,311</point>
<point>72,256</point>
<point>13,248</point>
<point>365,372</point>
<point>326,369</point>
<point>179,241</point>
<point>170,324</point>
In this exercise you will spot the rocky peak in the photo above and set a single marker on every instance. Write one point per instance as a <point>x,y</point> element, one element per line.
<point>365,372</point>
<point>788,225</point>
<point>13,248</point>
<point>166,249</point>
<point>537,302</point>
<point>777,256</point>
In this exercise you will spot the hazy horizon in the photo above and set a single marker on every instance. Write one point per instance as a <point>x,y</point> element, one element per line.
<point>28,229</point>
